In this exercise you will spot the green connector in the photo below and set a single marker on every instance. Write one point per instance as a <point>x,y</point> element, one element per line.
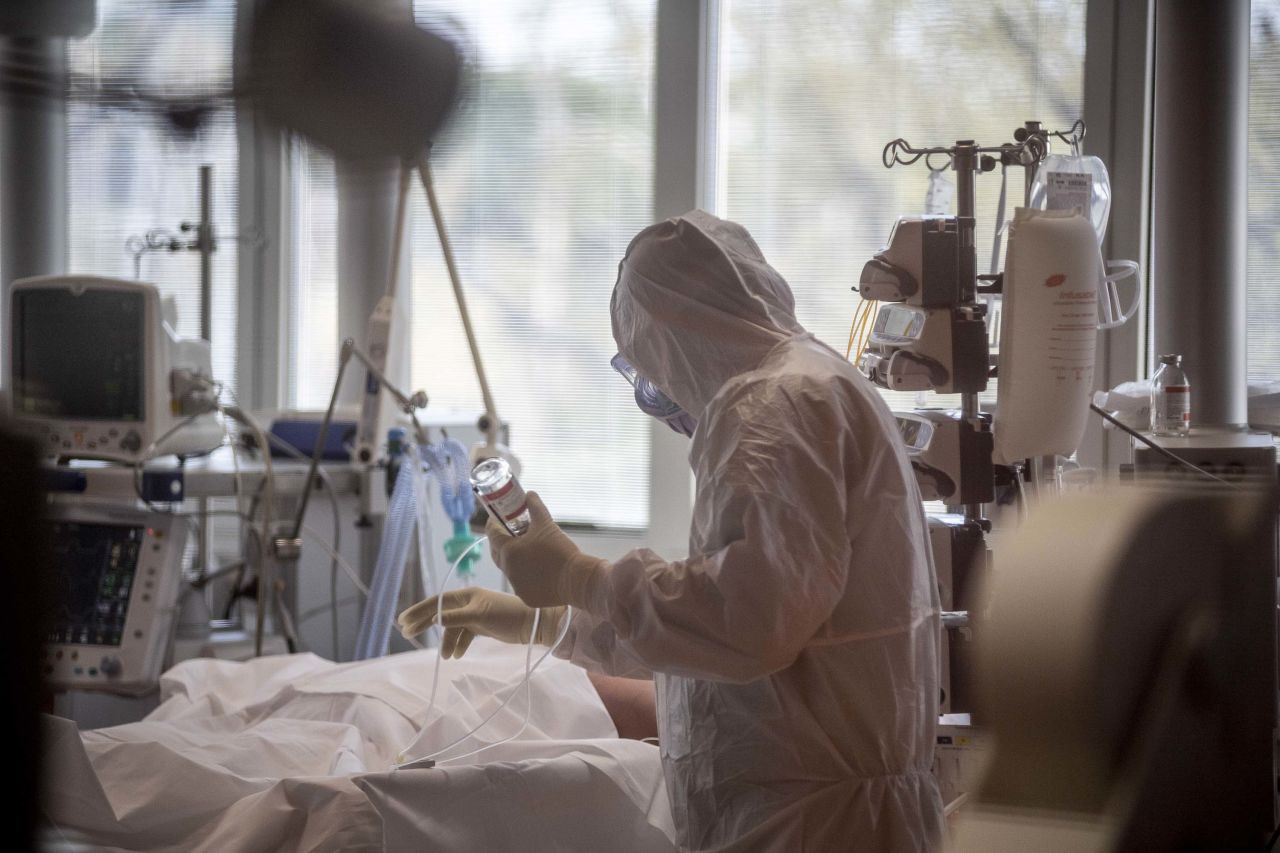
<point>457,544</point>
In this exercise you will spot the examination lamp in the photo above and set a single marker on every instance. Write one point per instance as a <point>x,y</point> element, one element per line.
<point>353,79</point>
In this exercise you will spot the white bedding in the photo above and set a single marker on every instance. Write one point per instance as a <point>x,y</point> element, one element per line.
<point>294,753</point>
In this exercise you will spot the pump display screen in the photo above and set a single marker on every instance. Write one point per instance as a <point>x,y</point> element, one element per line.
<point>94,568</point>
<point>894,321</point>
<point>79,355</point>
<point>915,433</point>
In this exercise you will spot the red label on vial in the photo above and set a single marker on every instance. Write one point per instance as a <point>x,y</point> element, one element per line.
<point>508,502</point>
<point>502,492</point>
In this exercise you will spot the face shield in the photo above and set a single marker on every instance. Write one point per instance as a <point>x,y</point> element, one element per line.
<point>651,400</point>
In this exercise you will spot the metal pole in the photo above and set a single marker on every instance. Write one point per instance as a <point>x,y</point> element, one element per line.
<point>1029,165</point>
<point>33,162</point>
<point>344,357</point>
<point>1200,204</point>
<point>965,164</point>
<point>460,296</point>
<point>205,245</point>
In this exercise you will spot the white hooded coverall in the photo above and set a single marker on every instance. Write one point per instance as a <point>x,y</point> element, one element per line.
<point>796,649</point>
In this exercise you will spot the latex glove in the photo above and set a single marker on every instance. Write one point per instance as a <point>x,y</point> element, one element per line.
<point>544,566</point>
<point>474,611</point>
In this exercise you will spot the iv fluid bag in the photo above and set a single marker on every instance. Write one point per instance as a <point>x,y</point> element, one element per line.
<point>1048,331</point>
<point>1067,182</point>
<point>1059,185</point>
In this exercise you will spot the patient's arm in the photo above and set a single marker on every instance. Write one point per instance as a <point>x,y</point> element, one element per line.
<point>631,704</point>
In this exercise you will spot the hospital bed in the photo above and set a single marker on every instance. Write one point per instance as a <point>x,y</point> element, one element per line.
<point>295,753</point>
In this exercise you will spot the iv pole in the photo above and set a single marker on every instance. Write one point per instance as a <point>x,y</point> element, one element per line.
<point>490,424</point>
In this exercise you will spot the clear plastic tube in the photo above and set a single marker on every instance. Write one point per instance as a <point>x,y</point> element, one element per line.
<point>337,557</point>
<point>528,708</point>
<point>428,760</point>
<point>435,670</point>
<point>384,590</point>
<point>422,499</point>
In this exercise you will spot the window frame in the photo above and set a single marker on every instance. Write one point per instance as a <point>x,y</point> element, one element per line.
<point>1117,110</point>
<point>1118,100</point>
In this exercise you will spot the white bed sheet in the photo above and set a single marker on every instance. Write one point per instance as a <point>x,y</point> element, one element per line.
<point>293,753</point>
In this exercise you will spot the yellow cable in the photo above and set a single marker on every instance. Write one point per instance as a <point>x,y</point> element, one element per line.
<point>852,328</point>
<point>862,324</point>
<point>864,331</point>
<point>870,325</point>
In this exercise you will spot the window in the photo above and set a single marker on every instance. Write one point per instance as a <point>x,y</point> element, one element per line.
<point>313,291</point>
<point>544,175</point>
<point>1264,191</point>
<point>809,93</point>
<point>130,171</point>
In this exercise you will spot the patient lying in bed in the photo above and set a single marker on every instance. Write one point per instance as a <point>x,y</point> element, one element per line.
<point>631,705</point>
<point>297,753</point>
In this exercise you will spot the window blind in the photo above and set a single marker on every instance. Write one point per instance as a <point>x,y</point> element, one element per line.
<point>313,291</point>
<point>544,175</point>
<point>1264,191</point>
<point>130,171</point>
<point>809,93</point>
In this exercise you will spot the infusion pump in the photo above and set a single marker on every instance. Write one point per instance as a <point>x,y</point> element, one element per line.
<point>95,369</point>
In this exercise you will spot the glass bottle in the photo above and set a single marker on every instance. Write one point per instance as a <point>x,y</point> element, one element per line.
<point>1170,398</point>
<point>502,495</point>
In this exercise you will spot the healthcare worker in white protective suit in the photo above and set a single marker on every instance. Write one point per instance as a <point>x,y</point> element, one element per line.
<point>796,649</point>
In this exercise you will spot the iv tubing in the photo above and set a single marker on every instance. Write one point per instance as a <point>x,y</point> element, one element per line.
<point>529,670</point>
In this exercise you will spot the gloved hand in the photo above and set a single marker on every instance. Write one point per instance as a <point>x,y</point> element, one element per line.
<point>544,566</point>
<point>485,612</point>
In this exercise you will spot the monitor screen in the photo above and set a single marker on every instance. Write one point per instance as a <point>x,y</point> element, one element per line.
<point>93,573</point>
<point>79,355</point>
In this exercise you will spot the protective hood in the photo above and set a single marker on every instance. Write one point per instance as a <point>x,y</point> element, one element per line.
<point>697,304</point>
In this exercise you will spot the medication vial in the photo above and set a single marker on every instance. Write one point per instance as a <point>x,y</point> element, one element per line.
<point>1170,398</point>
<point>502,495</point>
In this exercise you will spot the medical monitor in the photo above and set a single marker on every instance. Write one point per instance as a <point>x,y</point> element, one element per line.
<point>91,366</point>
<point>116,579</point>
<point>58,329</point>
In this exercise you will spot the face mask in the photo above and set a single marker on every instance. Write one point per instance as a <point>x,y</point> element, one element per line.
<point>651,400</point>
<point>1063,182</point>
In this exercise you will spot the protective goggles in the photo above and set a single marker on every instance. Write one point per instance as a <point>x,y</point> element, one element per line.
<point>651,400</point>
